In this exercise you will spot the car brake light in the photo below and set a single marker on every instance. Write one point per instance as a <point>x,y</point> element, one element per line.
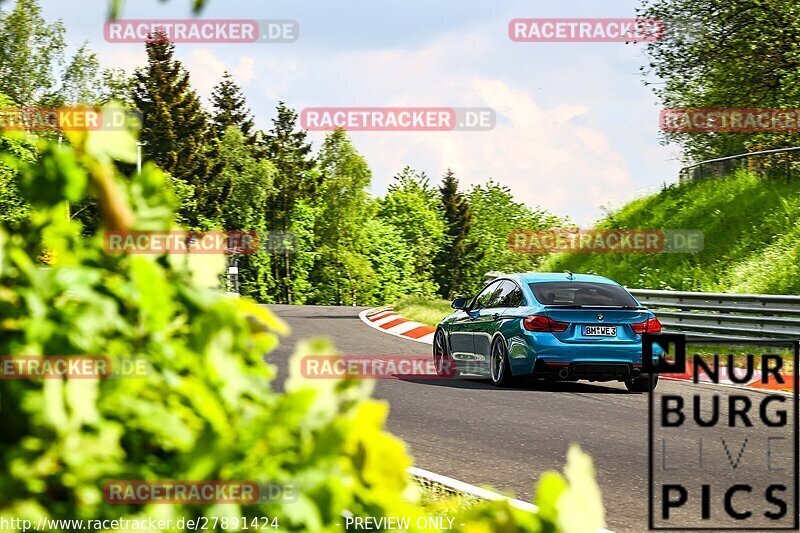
<point>542,323</point>
<point>651,325</point>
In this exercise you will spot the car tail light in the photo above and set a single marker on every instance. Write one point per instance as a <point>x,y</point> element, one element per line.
<point>651,325</point>
<point>542,323</point>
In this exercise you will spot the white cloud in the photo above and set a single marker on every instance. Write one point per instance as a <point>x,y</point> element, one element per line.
<point>548,156</point>
<point>206,70</point>
<point>573,128</point>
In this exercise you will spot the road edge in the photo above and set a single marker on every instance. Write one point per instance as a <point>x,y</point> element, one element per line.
<point>456,485</point>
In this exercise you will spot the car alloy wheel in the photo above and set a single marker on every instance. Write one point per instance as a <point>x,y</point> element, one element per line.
<point>442,361</point>
<point>498,364</point>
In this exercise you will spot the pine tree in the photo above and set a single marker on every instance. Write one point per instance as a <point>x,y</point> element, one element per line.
<point>295,180</point>
<point>458,250</point>
<point>175,128</point>
<point>230,109</point>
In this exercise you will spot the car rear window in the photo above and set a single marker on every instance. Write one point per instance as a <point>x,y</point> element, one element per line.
<point>581,293</point>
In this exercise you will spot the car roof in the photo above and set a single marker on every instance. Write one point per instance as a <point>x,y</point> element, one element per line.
<point>537,277</point>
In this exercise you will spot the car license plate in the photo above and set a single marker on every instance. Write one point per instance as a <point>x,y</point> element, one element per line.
<point>600,331</point>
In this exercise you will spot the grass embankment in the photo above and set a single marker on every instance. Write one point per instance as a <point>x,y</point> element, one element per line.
<point>422,310</point>
<point>752,238</point>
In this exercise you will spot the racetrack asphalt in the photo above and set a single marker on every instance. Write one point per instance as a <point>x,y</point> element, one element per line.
<point>505,438</point>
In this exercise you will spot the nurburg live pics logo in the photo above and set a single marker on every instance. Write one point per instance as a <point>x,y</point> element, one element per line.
<point>723,458</point>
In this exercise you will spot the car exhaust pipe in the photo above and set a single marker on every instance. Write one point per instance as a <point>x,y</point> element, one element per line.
<point>563,373</point>
<point>636,372</point>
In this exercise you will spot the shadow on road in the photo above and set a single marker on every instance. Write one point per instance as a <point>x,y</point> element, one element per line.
<point>523,385</point>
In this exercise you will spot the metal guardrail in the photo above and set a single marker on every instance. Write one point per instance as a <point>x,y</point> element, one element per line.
<point>720,315</point>
<point>724,316</point>
<point>775,163</point>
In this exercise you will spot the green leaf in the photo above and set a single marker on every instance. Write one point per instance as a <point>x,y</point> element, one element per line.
<point>582,493</point>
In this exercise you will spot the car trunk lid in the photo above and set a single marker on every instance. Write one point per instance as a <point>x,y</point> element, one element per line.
<point>601,325</point>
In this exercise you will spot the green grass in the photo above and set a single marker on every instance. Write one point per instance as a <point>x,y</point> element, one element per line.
<point>707,351</point>
<point>437,495</point>
<point>752,238</point>
<point>439,499</point>
<point>425,311</point>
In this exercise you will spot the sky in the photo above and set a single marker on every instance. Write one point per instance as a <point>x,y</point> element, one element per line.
<point>576,132</point>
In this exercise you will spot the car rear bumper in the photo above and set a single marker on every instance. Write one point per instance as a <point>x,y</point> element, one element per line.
<point>547,356</point>
<point>588,370</point>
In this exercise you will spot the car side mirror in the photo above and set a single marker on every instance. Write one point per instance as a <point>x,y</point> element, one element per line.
<point>459,303</point>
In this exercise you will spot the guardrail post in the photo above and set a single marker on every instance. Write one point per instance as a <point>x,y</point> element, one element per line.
<point>788,169</point>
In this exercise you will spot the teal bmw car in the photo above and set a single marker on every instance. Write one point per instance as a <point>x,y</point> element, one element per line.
<point>545,325</point>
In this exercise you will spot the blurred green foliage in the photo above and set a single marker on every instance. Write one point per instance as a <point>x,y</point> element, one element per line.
<point>206,410</point>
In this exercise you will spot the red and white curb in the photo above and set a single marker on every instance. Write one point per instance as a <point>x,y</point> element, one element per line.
<point>386,320</point>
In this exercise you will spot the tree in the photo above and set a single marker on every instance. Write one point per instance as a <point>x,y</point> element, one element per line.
<point>241,188</point>
<point>175,129</point>
<point>495,216</point>
<point>230,109</point>
<point>30,52</point>
<point>725,53</point>
<point>342,275</point>
<point>117,86</point>
<point>412,206</point>
<point>82,82</point>
<point>391,258</point>
<point>289,151</point>
<point>458,250</point>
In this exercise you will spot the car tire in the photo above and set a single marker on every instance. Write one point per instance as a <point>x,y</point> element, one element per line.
<point>499,368</point>
<point>645,383</point>
<point>443,362</point>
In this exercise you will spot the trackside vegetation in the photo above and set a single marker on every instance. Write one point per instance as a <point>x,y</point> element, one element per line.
<point>751,238</point>
<point>325,238</point>
<point>205,408</point>
<point>751,242</point>
<point>423,310</point>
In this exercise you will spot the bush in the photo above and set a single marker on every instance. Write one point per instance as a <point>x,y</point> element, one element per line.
<point>206,409</point>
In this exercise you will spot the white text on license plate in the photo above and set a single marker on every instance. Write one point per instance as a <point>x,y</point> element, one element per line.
<point>600,331</point>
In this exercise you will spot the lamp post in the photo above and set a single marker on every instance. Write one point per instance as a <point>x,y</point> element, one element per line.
<point>139,157</point>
